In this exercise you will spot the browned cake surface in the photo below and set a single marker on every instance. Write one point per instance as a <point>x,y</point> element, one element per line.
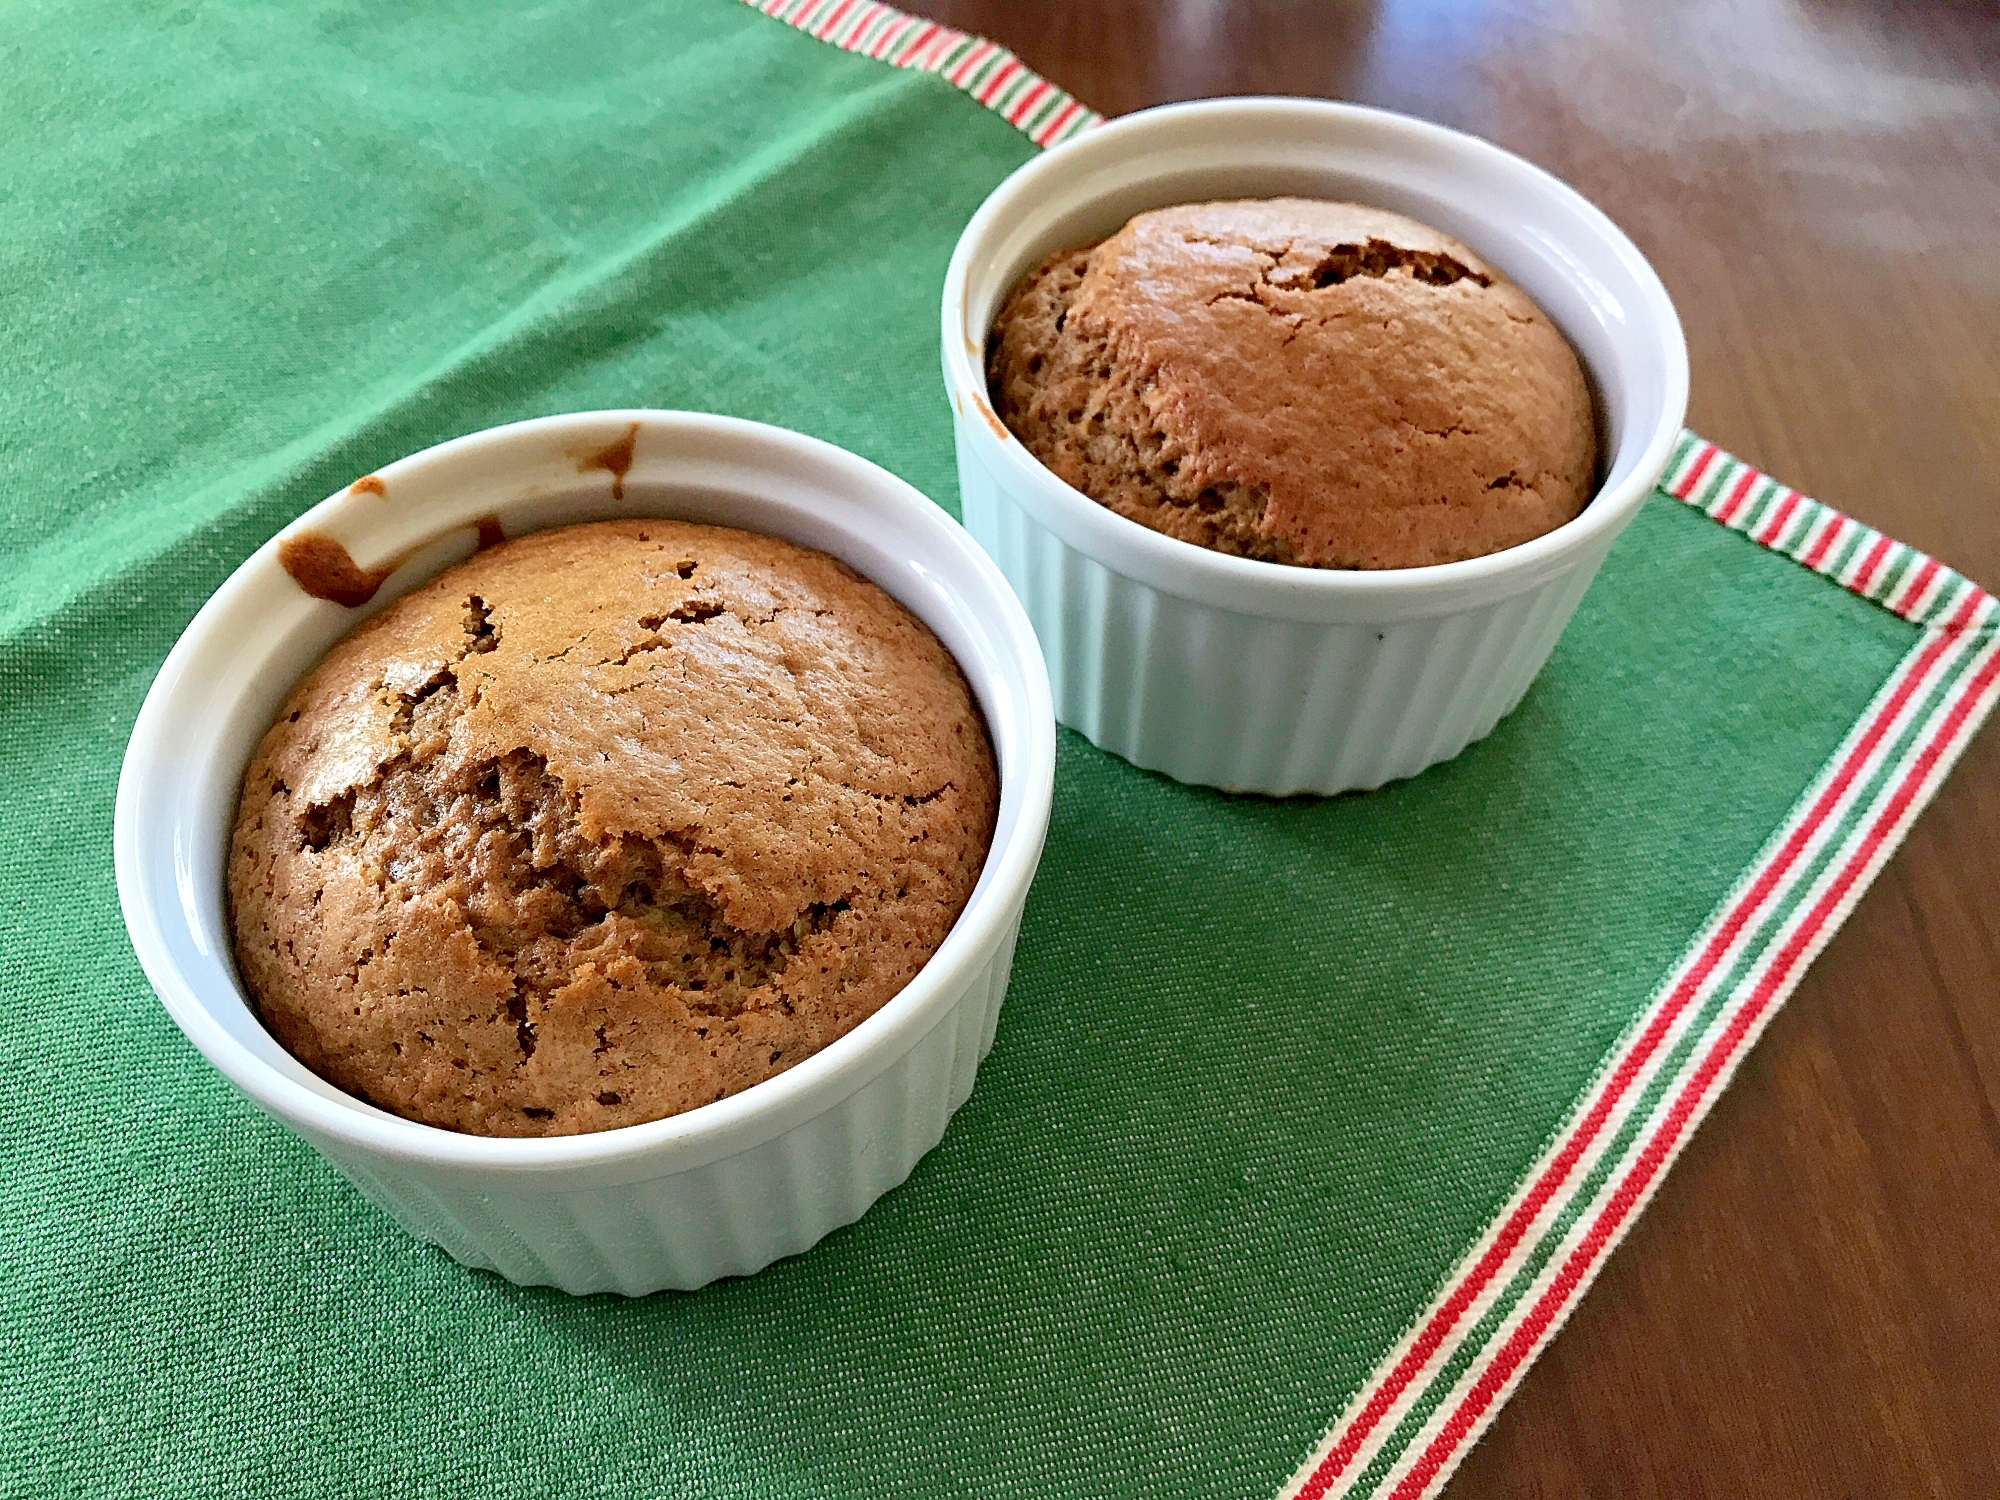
<point>603,824</point>
<point>1299,381</point>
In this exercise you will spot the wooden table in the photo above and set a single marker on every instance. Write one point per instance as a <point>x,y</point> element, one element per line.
<point>1812,1306</point>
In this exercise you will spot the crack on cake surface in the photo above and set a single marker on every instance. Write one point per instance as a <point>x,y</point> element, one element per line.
<point>1379,257</point>
<point>694,612</point>
<point>324,824</point>
<point>539,894</point>
<point>482,635</point>
<point>419,713</point>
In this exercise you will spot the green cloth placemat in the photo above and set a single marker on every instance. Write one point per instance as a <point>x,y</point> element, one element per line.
<point>1307,1120</point>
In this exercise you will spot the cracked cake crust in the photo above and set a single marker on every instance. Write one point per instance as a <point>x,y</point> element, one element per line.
<point>603,824</point>
<point>1299,381</point>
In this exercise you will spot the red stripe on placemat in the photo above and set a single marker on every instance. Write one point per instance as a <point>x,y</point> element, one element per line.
<point>1827,541</point>
<point>1003,75</point>
<point>915,45</point>
<point>859,26</point>
<point>1774,528</point>
<point>1060,118</point>
<point>1024,106</point>
<point>824,28</point>
<point>928,56</point>
<point>855,24</point>
<point>893,36</point>
<point>1912,590</point>
<point>1688,481</point>
<point>1866,574</point>
<point>1661,1138</point>
<point>967,65</point>
<point>1726,512</point>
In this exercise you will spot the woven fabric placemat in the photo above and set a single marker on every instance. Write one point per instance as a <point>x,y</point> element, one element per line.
<point>1307,1121</point>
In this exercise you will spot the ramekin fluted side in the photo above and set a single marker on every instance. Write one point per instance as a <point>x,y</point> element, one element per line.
<point>1244,702</point>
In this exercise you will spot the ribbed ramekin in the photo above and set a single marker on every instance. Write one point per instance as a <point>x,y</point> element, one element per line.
<point>718,1191</point>
<point>1254,676</point>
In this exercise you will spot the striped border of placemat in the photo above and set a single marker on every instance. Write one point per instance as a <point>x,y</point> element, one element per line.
<point>990,73</point>
<point>1438,1389</point>
<point>1859,558</point>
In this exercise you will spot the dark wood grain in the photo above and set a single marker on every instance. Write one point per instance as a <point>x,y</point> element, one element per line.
<point>1812,1305</point>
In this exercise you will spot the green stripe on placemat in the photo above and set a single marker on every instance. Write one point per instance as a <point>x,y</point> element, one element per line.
<point>1273,1079</point>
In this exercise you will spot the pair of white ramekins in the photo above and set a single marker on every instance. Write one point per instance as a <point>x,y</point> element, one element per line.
<point>1211,668</point>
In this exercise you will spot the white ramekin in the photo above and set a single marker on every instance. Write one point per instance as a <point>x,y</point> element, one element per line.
<point>723,1189</point>
<point>1255,676</point>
